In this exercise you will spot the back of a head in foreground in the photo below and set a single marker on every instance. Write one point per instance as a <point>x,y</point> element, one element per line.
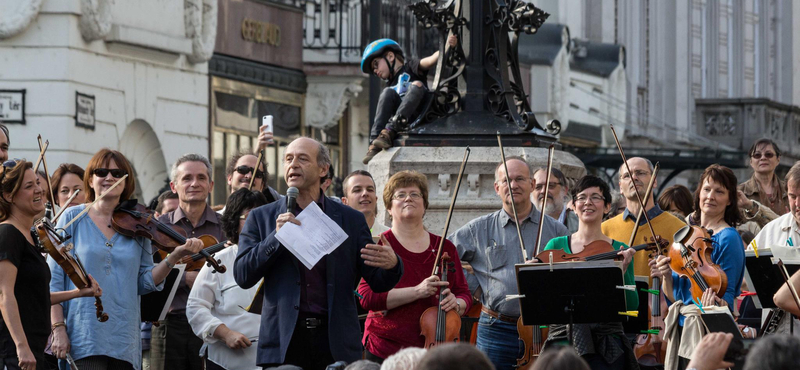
<point>455,356</point>
<point>774,352</point>
<point>363,365</point>
<point>560,358</point>
<point>404,359</point>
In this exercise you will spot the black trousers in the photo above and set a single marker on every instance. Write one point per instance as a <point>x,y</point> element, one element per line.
<point>182,346</point>
<point>102,363</point>
<point>309,347</point>
<point>390,103</point>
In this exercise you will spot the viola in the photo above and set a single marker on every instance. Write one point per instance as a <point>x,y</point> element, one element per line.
<point>691,258</point>
<point>594,251</point>
<point>53,243</point>
<point>648,347</point>
<point>438,326</point>
<point>533,338</point>
<point>132,219</point>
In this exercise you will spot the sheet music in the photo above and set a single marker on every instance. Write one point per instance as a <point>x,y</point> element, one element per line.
<point>317,235</point>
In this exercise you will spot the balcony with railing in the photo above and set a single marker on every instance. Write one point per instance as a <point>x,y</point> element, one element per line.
<point>337,31</point>
<point>740,122</point>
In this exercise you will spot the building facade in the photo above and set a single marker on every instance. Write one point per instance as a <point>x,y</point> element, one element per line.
<point>88,74</point>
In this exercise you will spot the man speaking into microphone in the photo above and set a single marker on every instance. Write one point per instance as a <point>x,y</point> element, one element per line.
<point>309,316</point>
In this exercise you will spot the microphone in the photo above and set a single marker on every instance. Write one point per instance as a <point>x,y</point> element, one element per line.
<point>291,198</point>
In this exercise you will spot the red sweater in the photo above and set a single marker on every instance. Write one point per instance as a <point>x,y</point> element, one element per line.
<point>387,332</point>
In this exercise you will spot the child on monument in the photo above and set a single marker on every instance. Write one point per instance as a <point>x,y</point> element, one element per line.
<point>406,86</point>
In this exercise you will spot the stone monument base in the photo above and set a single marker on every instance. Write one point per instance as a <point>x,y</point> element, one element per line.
<point>441,165</point>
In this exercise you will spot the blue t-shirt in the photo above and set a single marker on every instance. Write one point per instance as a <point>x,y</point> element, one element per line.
<point>728,253</point>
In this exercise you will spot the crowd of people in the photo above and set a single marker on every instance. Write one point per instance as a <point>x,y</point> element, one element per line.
<point>309,317</point>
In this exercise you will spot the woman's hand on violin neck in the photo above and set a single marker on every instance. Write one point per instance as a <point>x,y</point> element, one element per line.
<point>61,345</point>
<point>429,286</point>
<point>710,298</point>
<point>93,290</point>
<point>192,246</point>
<point>449,302</point>
<point>627,257</point>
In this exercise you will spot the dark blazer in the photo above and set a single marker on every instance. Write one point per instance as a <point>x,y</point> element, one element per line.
<point>262,255</point>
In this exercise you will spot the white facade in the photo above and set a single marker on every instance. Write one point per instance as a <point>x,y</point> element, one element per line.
<point>144,62</point>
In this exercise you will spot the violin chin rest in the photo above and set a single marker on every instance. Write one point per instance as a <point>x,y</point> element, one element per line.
<point>682,233</point>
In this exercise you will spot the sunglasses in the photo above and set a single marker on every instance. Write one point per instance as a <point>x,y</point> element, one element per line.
<point>103,172</point>
<point>244,170</point>
<point>767,155</point>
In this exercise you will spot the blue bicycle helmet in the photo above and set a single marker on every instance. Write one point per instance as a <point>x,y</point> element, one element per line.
<point>376,49</point>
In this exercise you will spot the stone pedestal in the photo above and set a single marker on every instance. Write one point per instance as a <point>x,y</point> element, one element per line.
<point>441,164</point>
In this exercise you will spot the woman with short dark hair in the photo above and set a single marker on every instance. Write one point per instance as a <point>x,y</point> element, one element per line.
<point>602,345</point>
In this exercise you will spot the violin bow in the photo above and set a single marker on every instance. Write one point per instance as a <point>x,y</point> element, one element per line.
<point>647,194</point>
<point>511,194</point>
<point>638,196</point>
<point>550,151</point>
<point>42,150</point>
<point>88,207</point>
<point>47,172</point>
<point>255,170</point>
<point>450,211</point>
<point>786,278</point>
<point>69,200</point>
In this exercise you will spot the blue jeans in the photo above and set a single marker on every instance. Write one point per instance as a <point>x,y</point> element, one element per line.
<point>499,340</point>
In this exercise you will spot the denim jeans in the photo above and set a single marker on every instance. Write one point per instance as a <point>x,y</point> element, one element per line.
<point>499,340</point>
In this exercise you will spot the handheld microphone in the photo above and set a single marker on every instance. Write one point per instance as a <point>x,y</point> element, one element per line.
<point>291,198</point>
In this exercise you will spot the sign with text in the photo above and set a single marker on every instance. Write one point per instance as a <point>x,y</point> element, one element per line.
<point>84,110</point>
<point>12,106</point>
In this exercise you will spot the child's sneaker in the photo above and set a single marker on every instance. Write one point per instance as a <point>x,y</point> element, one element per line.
<point>385,139</point>
<point>372,152</point>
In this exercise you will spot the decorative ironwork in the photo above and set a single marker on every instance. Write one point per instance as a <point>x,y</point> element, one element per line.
<point>505,95</point>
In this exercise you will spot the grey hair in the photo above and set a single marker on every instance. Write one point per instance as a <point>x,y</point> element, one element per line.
<point>323,154</point>
<point>363,365</point>
<point>405,359</point>
<point>190,157</point>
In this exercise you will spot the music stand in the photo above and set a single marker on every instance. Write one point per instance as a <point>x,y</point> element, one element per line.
<point>762,274</point>
<point>570,292</point>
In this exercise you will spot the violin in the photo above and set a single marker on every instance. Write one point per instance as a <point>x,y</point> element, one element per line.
<point>594,251</point>
<point>648,347</point>
<point>50,241</point>
<point>438,326</point>
<point>132,219</point>
<point>533,340</point>
<point>691,258</point>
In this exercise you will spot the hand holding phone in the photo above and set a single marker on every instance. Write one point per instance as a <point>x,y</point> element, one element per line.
<point>265,132</point>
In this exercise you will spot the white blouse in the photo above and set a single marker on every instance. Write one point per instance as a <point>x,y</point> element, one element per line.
<point>217,299</point>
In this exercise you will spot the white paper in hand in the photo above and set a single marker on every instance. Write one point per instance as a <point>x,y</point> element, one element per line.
<point>317,235</point>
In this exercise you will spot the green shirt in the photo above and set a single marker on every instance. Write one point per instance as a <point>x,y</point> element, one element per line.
<point>631,298</point>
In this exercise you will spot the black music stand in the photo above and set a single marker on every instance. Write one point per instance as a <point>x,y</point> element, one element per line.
<point>571,292</point>
<point>723,322</point>
<point>764,277</point>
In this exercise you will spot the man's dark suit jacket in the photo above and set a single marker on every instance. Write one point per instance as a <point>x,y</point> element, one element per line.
<point>262,255</point>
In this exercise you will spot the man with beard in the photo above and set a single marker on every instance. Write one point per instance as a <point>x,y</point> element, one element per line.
<point>621,226</point>
<point>359,194</point>
<point>556,197</point>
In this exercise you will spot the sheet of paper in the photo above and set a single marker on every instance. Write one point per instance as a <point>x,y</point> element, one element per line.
<point>317,236</point>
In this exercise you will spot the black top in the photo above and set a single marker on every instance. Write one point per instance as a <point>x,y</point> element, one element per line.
<point>32,291</point>
<point>409,73</point>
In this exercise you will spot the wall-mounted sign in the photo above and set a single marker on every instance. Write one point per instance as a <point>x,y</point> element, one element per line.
<point>261,32</point>
<point>12,106</point>
<point>84,110</point>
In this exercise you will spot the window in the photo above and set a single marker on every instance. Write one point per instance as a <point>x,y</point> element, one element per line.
<point>236,111</point>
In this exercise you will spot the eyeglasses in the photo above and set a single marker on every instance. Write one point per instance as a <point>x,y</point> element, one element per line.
<point>244,170</point>
<point>540,187</point>
<point>594,198</point>
<point>518,180</point>
<point>403,196</point>
<point>103,172</point>
<point>767,155</point>
<point>638,173</point>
